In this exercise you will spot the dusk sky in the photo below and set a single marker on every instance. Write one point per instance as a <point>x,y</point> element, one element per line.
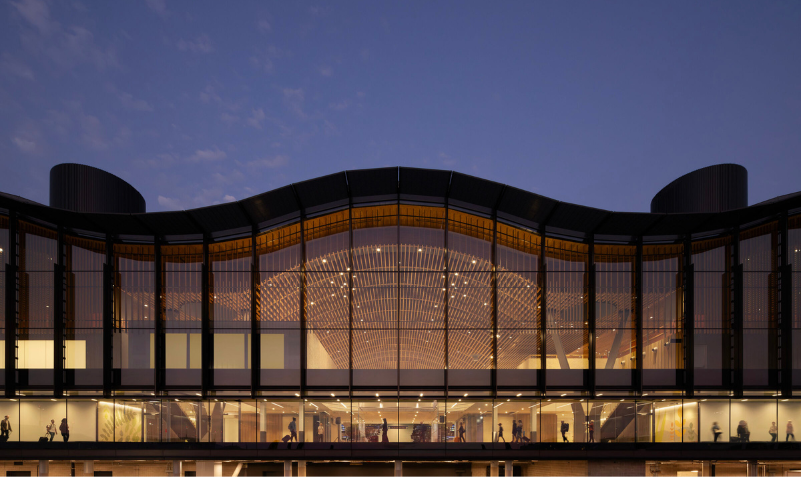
<point>595,103</point>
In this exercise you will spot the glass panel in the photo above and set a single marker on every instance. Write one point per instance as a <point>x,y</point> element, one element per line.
<point>667,419</point>
<point>281,419</point>
<point>518,300</point>
<point>788,411</point>
<point>376,421</point>
<point>519,350</point>
<point>422,303</point>
<point>469,242</point>
<point>279,250</point>
<point>230,284</point>
<point>712,356</point>
<point>470,300</point>
<point>327,420</point>
<point>82,418</point>
<point>564,421</point>
<point>754,420</point>
<point>279,300</point>
<point>327,240</point>
<point>327,300</point>
<point>375,238</point>
<point>374,353</point>
<point>469,421</point>
<point>422,238</point>
<point>517,249</point>
<point>231,358</point>
<point>422,357</point>
<point>567,349</point>
<point>134,314</point>
<point>183,421</point>
<point>611,421</point>
<point>714,420</point>
<point>327,357</point>
<point>41,418</point>
<point>421,421</point>
<point>280,358</point>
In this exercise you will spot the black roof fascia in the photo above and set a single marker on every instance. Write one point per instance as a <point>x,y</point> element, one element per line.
<point>373,185</point>
<point>424,185</point>
<point>323,193</point>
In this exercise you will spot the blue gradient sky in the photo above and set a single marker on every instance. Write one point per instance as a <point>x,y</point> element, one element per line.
<point>596,103</point>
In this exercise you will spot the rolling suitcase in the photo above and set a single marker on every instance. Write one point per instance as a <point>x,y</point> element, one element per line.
<point>286,439</point>
<point>45,438</point>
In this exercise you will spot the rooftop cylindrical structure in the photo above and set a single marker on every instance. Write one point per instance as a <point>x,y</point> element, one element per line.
<point>715,188</point>
<point>83,188</point>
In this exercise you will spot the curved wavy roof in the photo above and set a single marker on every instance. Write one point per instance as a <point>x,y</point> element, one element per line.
<point>406,184</point>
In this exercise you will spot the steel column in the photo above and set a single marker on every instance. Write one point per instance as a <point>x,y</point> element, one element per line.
<point>737,315</point>
<point>542,279</point>
<point>58,317</point>
<point>206,337</point>
<point>11,307</point>
<point>160,341</point>
<point>786,312</point>
<point>688,338</point>
<point>638,314</point>
<point>590,294</point>
<point>108,319</point>
<point>255,304</point>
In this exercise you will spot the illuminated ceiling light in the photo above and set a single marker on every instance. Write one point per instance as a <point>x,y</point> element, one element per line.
<point>324,260</point>
<point>145,305</point>
<point>519,394</point>
<point>296,394</point>
<point>378,250</point>
<point>419,249</point>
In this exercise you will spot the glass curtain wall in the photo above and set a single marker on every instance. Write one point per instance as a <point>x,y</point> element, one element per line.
<point>759,259</point>
<point>278,306</point>
<point>663,307</point>
<point>3,263</point>
<point>182,274</point>
<point>567,340</point>
<point>376,329</point>
<point>83,340</point>
<point>38,256</point>
<point>422,295</point>
<point>470,301</point>
<point>134,315</point>
<point>229,311</point>
<point>712,309</point>
<point>794,260</point>
<point>615,315</point>
<point>327,303</point>
<point>519,340</point>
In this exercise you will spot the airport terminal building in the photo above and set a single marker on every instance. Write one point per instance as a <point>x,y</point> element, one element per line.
<point>400,320</point>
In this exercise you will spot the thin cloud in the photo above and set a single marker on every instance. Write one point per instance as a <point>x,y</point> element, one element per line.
<point>256,118</point>
<point>269,162</point>
<point>293,99</point>
<point>37,13</point>
<point>207,155</point>
<point>12,67</point>
<point>130,102</point>
<point>326,71</point>
<point>263,26</point>
<point>170,203</point>
<point>201,44</point>
<point>159,7</point>
<point>340,105</point>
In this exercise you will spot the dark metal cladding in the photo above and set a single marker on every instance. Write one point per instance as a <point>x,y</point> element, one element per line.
<point>83,188</point>
<point>715,188</point>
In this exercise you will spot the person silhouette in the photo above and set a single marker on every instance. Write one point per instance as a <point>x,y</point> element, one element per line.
<point>500,433</point>
<point>384,428</point>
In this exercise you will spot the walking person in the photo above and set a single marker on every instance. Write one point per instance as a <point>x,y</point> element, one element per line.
<point>500,433</point>
<point>514,431</point>
<point>461,431</point>
<point>293,430</point>
<point>384,429</point>
<point>716,430</point>
<point>51,429</point>
<point>520,431</point>
<point>789,430</point>
<point>774,432</point>
<point>742,432</point>
<point>591,429</point>
<point>320,431</point>
<point>5,428</point>
<point>65,430</point>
